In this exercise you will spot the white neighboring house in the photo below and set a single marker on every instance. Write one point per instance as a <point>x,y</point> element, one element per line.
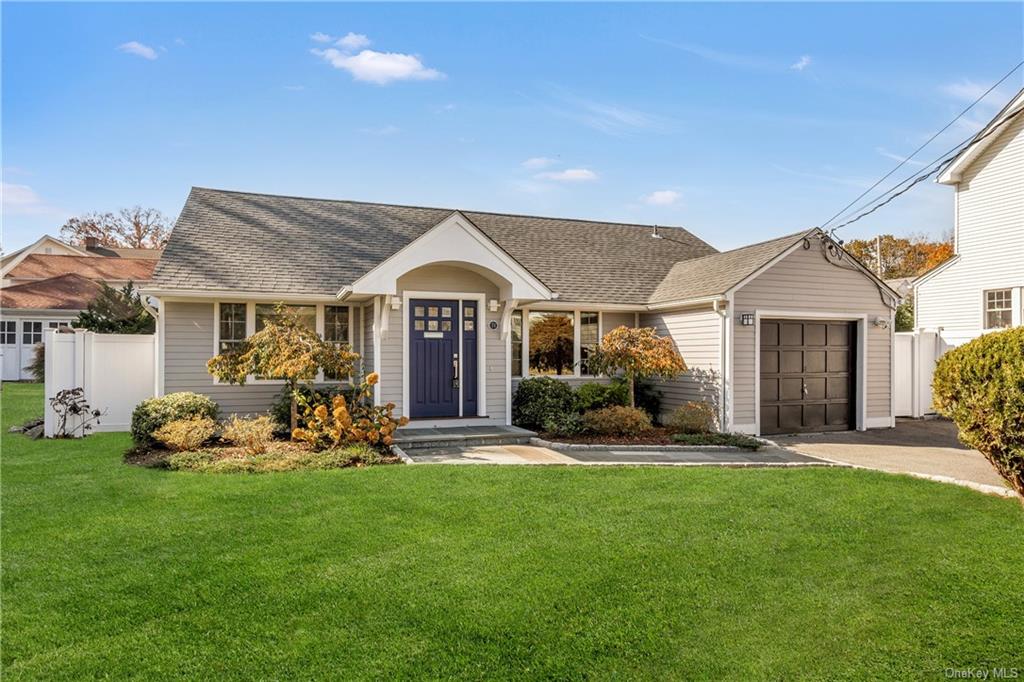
<point>980,288</point>
<point>46,284</point>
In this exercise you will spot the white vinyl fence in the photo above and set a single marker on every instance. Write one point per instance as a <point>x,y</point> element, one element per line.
<point>117,371</point>
<point>914,364</point>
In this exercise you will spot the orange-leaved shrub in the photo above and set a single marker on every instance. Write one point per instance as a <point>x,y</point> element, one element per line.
<point>616,421</point>
<point>338,422</point>
<point>184,435</point>
<point>980,386</point>
<point>693,416</point>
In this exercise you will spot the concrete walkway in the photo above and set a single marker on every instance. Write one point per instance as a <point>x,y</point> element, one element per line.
<point>922,447</point>
<point>531,454</point>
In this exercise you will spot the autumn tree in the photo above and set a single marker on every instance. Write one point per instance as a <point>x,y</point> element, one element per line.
<point>136,228</point>
<point>900,256</point>
<point>284,349</point>
<point>551,343</point>
<point>639,353</point>
<point>116,311</point>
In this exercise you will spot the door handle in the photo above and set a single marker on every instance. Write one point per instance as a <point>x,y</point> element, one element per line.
<point>455,370</point>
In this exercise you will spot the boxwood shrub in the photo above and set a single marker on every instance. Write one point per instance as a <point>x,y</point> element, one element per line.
<point>152,413</point>
<point>980,386</point>
<point>593,396</point>
<point>539,399</point>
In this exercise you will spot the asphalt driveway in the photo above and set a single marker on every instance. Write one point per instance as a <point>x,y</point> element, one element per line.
<point>917,446</point>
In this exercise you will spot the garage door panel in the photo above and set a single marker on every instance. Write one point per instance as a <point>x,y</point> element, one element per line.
<point>815,334</point>
<point>814,361</point>
<point>792,334</point>
<point>792,361</point>
<point>807,371</point>
<point>814,388</point>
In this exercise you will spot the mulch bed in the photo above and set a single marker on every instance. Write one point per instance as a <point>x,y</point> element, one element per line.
<point>157,457</point>
<point>656,436</point>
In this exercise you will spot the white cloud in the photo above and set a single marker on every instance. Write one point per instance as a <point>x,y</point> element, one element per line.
<point>382,131</point>
<point>23,200</point>
<point>138,49</point>
<point>801,63</point>
<point>379,67</point>
<point>662,197</point>
<point>569,175</point>
<point>538,162</point>
<point>965,90</point>
<point>319,37</point>
<point>896,157</point>
<point>353,41</point>
<point>179,41</point>
<point>295,88</point>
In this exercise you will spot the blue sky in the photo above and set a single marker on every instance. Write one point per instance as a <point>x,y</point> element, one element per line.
<point>740,122</point>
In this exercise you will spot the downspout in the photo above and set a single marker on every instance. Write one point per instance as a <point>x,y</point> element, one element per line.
<point>722,349</point>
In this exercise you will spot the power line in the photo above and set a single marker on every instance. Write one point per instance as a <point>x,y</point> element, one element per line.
<point>930,139</point>
<point>939,163</point>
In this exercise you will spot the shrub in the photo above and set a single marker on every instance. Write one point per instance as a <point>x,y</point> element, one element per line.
<point>70,403</point>
<point>565,424</point>
<point>647,396</point>
<point>281,408</point>
<point>639,353</point>
<point>254,435</point>
<point>980,386</point>
<point>540,398</point>
<point>37,367</point>
<point>184,435</point>
<point>593,396</point>
<point>617,421</point>
<point>153,413</point>
<point>342,421</point>
<point>189,461</point>
<point>694,416</point>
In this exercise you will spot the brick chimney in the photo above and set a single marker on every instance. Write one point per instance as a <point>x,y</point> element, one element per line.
<point>92,243</point>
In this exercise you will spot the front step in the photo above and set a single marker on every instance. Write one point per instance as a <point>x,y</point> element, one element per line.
<point>461,436</point>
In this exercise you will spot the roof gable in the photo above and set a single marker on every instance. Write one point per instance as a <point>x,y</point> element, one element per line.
<point>985,138</point>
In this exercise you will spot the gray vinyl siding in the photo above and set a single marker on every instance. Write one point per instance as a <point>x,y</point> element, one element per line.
<point>805,282</point>
<point>367,340</point>
<point>188,344</point>
<point>697,335</point>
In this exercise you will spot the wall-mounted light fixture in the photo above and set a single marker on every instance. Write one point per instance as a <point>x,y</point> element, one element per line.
<point>881,322</point>
<point>747,319</point>
<point>493,305</point>
<point>396,303</point>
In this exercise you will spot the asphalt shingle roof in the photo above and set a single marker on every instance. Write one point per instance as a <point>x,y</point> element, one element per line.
<point>226,240</point>
<point>64,292</point>
<point>43,266</point>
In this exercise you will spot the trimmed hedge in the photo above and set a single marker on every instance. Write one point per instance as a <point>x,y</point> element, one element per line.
<point>593,396</point>
<point>617,421</point>
<point>153,413</point>
<point>980,386</point>
<point>540,399</point>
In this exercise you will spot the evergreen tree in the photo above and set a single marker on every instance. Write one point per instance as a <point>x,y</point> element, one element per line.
<point>116,311</point>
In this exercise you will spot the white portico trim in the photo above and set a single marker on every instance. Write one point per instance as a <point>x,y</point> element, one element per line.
<point>455,240</point>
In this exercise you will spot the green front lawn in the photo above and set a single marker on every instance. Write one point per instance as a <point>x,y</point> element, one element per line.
<point>495,572</point>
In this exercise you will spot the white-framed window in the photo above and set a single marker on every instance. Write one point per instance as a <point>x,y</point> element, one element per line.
<point>31,332</point>
<point>235,321</point>
<point>555,343</point>
<point>998,308</point>
<point>9,332</point>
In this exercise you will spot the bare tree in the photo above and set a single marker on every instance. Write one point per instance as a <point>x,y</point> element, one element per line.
<point>136,227</point>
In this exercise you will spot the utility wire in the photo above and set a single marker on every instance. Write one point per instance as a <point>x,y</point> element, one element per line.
<point>939,163</point>
<point>930,139</point>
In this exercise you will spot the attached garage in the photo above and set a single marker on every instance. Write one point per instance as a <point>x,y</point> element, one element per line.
<point>808,371</point>
<point>787,336</point>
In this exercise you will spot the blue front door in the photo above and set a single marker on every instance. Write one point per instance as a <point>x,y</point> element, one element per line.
<point>433,358</point>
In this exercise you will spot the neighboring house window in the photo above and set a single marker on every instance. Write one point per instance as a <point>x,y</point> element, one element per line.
<point>306,314</point>
<point>335,328</point>
<point>31,332</point>
<point>59,325</point>
<point>517,343</point>
<point>552,343</point>
<point>232,325</point>
<point>8,332</point>
<point>588,339</point>
<point>998,309</point>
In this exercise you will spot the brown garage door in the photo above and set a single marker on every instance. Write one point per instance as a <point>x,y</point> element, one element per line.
<point>807,375</point>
